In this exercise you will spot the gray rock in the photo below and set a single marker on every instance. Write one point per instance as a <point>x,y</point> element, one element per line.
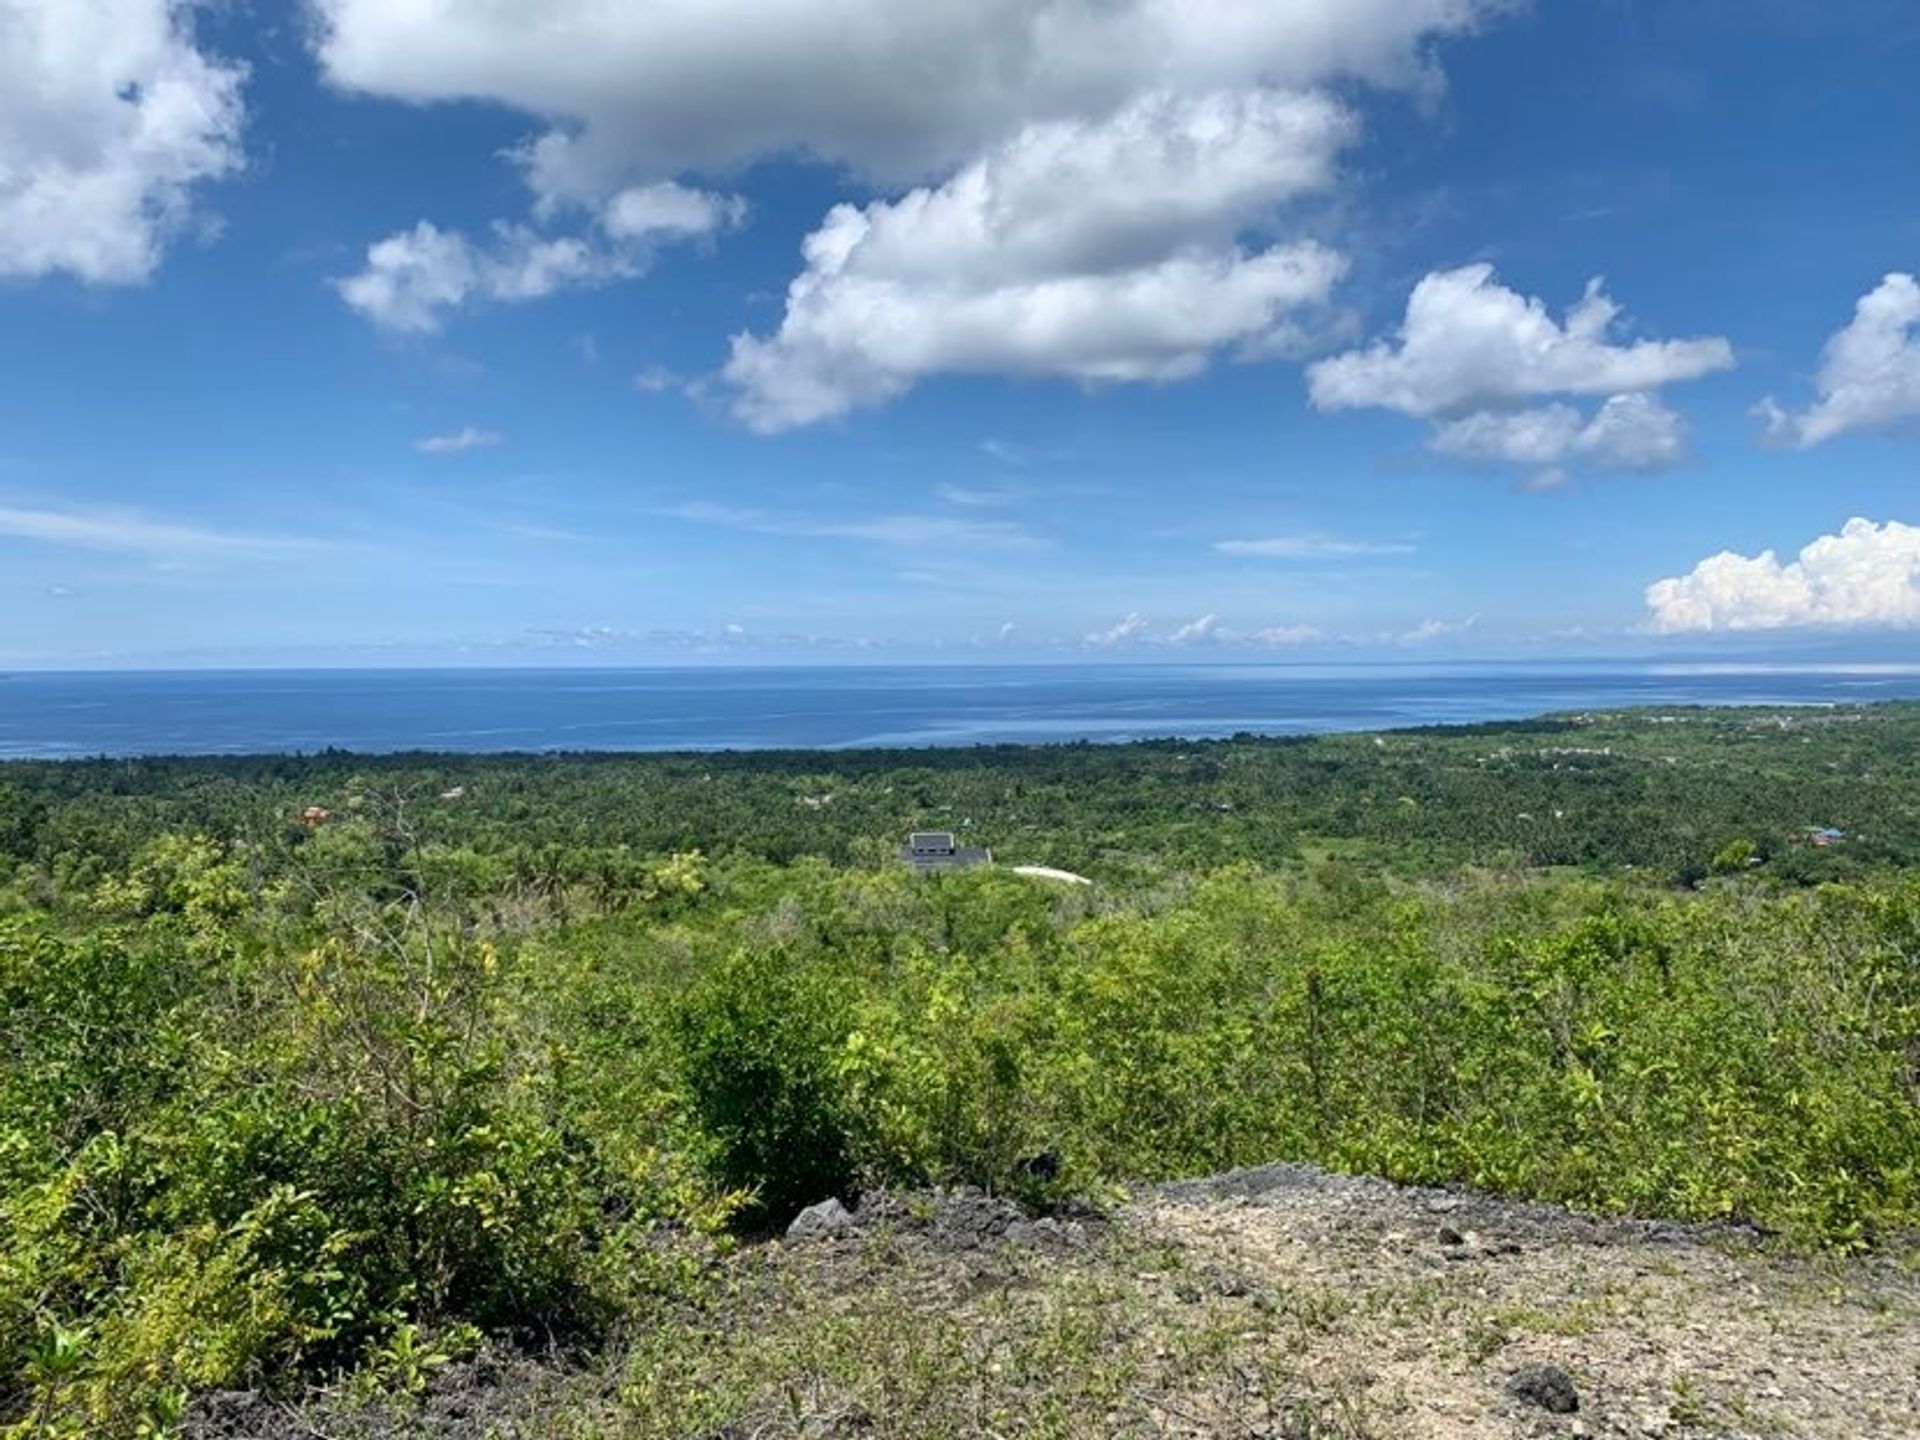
<point>822,1222</point>
<point>1547,1386</point>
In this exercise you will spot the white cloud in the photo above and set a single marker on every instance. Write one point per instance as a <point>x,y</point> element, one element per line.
<point>1122,632</point>
<point>110,117</point>
<point>1089,173</point>
<point>468,437</point>
<point>1282,636</point>
<point>1097,251</point>
<point>1633,432</point>
<point>1628,432</point>
<point>901,92</point>
<point>1467,342</point>
<point>1867,576</point>
<point>1195,632</point>
<point>728,638</point>
<point>668,209</point>
<point>1092,176</point>
<point>1433,629</point>
<point>413,278</point>
<point>904,530</point>
<point>1869,377</point>
<point>1136,632</point>
<point>132,532</point>
<point>1541,436</point>
<point>1311,547</point>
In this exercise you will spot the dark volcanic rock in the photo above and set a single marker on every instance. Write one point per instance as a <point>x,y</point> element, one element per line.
<point>1547,1386</point>
<point>1044,1167</point>
<point>228,1415</point>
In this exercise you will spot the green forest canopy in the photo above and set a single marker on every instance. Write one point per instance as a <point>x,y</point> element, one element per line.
<point>310,1063</point>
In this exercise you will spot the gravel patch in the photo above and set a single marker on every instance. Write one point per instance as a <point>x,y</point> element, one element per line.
<point>1443,1300</point>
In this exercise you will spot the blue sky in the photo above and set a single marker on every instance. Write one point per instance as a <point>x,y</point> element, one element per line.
<point>362,331</point>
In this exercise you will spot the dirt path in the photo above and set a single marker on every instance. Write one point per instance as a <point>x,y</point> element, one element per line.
<point>1428,1302</point>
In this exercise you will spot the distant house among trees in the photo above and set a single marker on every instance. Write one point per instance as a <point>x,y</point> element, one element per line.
<point>927,850</point>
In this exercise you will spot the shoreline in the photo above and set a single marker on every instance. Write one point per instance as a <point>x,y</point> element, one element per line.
<point>1548,721</point>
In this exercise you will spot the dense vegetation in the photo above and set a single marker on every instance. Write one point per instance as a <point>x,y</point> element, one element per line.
<point>517,1045</point>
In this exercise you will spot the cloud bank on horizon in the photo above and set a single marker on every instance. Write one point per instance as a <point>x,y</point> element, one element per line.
<point>918,216</point>
<point>1867,576</point>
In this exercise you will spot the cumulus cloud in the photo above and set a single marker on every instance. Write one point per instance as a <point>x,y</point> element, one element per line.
<point>1474,357</point>
<point>1195,632</point>
<point>669,210</point>
<point>1633,432</point>
<point>1311,547</point>
<point>1628,432</point>
<point>896,92</point>
<point>1469,342</point>
<point>1867,576</point>
<point>1869,377</point>
<point>1122,632</point>
<point>1540,436</point>
<point>1087,174</point>
<point>413,278</point>
<point>1097,251</point>
<point>110,120</point>
<point>467,437</point>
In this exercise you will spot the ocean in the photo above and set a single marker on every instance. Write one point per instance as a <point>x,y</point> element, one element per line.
<point>64,714</point>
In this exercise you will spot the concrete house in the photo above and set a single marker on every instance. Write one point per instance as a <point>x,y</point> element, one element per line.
<point>939,850</point>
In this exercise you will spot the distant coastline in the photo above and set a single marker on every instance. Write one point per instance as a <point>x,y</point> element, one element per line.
<point>55,715</point>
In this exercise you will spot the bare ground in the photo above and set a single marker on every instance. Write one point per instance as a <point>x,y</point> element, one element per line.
<point>1435,1299</point>
<point>1282,1303</point>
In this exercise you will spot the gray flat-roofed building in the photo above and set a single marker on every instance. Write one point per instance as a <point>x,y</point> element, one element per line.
<point>940,850</point>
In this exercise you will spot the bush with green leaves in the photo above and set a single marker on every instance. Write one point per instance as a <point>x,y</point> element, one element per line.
<point>757,1043</point>
<point>216,1172</point>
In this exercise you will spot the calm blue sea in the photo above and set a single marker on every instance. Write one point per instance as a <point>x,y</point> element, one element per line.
<point>241,712</point>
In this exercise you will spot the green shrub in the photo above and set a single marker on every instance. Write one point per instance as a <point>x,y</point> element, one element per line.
<point>757,1042</point>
